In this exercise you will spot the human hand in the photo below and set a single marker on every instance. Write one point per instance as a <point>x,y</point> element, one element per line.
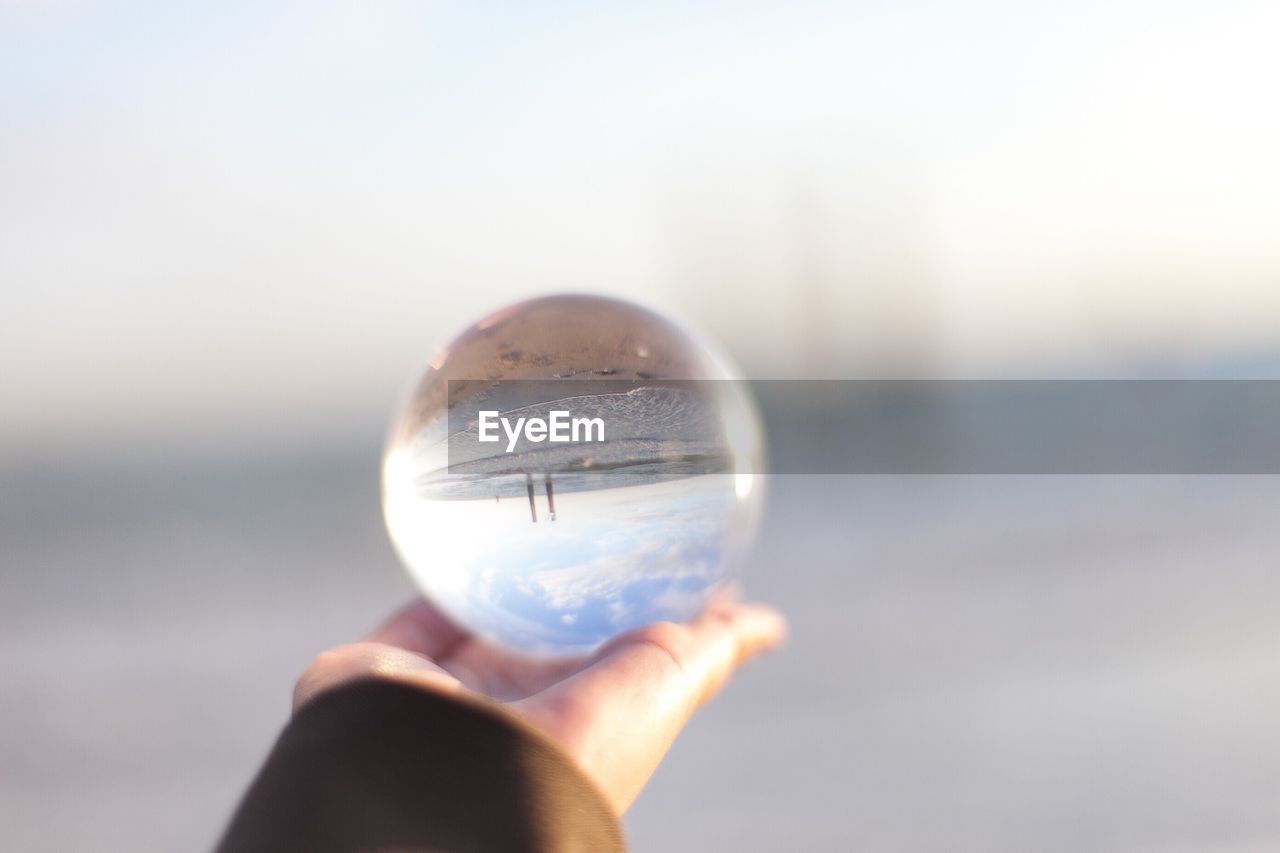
<point>615,712</point>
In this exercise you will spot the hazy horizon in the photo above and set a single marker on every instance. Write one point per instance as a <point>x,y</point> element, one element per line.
<point>240,223</point>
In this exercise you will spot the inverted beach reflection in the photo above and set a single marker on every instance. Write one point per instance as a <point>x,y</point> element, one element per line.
<point>560,563</point>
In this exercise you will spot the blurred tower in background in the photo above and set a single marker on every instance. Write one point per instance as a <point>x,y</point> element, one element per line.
<point>811,271</point>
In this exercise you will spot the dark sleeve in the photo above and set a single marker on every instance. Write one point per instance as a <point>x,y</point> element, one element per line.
<point>384,766</point>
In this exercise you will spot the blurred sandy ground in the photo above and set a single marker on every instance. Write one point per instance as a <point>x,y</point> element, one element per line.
<point>978,663</point>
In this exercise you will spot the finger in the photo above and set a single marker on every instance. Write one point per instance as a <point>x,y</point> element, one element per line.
<point>724,638</point>
<point>712,646</point>
<point>620,714</point>
<point>420,627</point>
<point>346,664</point>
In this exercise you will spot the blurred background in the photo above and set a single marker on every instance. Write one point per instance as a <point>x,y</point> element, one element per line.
<point>230,234</point>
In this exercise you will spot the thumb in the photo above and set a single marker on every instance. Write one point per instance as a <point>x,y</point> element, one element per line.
<point>348,663</point>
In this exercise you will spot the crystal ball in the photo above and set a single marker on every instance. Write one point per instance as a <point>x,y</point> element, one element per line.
<point>554,546</point>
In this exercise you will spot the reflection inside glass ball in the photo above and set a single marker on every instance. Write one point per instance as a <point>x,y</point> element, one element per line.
<point>554,546</point>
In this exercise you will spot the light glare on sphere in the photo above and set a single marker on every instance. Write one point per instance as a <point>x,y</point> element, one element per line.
<point>555,548</point>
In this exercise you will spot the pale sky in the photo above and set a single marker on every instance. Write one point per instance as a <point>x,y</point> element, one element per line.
<point>223,220</point>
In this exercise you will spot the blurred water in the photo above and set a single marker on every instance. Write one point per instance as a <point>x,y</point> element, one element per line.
<point>977,663</point>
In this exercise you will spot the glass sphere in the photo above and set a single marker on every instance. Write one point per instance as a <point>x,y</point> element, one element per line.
<point>555,548</point>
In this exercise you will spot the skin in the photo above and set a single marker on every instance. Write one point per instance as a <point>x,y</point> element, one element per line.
<point>615,713</point>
